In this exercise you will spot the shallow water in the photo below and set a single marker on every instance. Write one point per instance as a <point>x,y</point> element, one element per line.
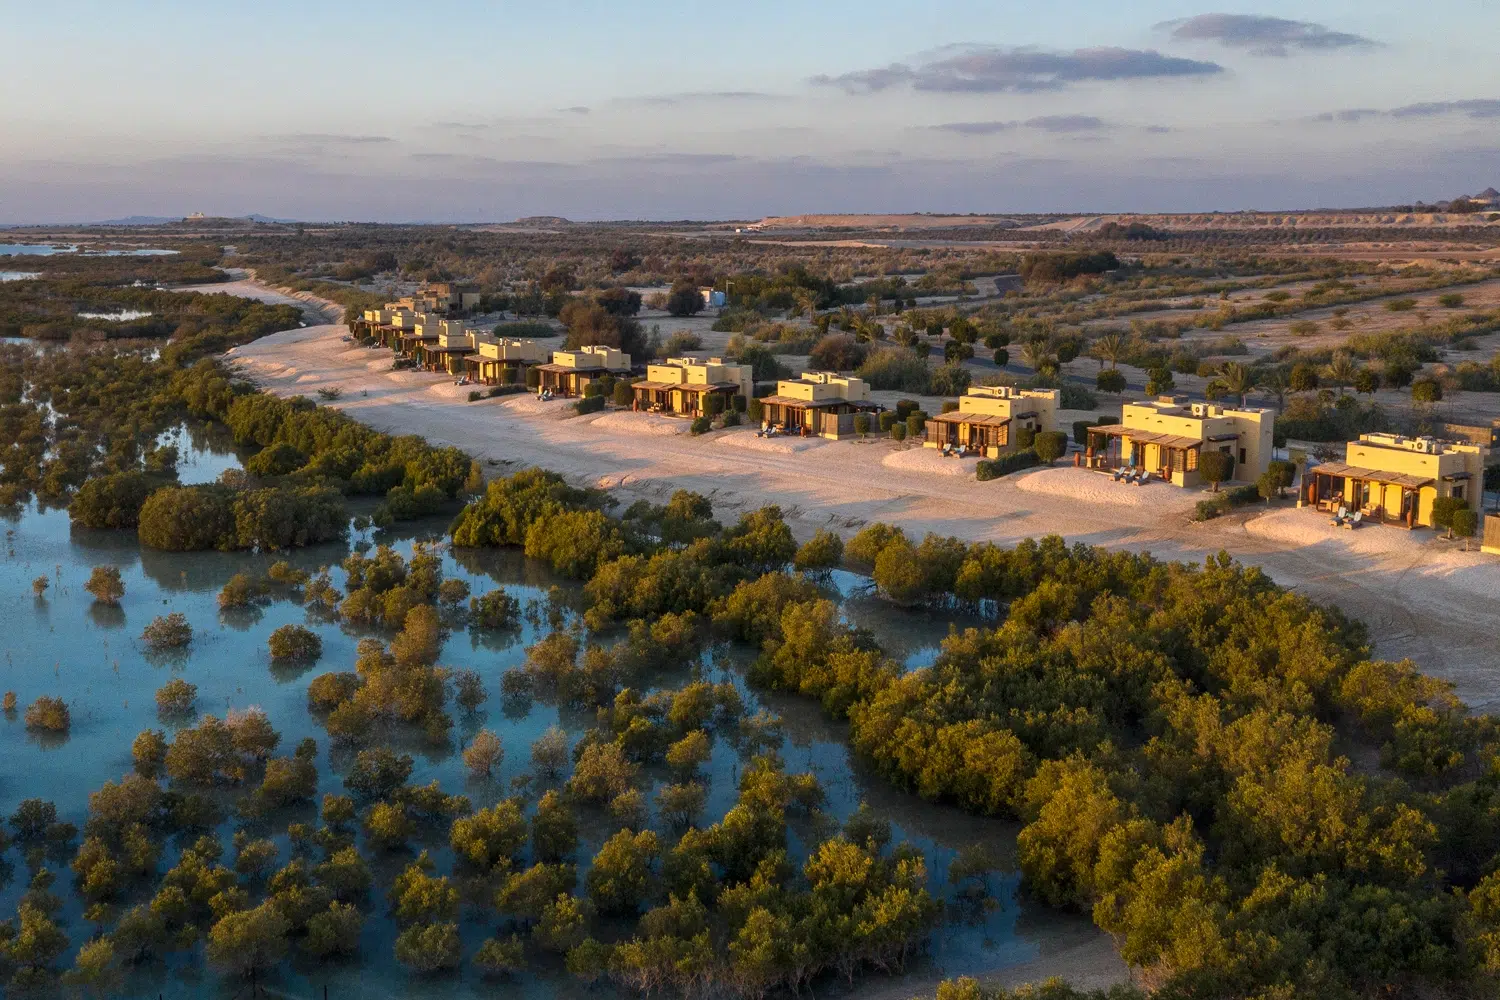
<point>119,316</point>
<point>92,656</point>
<point>50,249</point>
<point>19,275</point>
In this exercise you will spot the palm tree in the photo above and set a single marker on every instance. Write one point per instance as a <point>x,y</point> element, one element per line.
<point>1111,347</point>
<point>1275,382</point>
<point>1036,353</point>
<point>1235,379</point>
<point>1341,371</point>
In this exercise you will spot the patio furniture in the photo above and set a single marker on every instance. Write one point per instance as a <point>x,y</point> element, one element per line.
<point>1340,517</point>
<point>1355,521</point>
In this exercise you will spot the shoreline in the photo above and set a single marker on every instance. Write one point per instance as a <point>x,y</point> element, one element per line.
<point>1421,597</point>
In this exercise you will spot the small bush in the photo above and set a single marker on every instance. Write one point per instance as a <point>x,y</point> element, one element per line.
<point>294,642</point>
<point>105,584</point>
<point>916,423</point>
<point>824,550</point>
<point>898,432</point>
<point>169,632</point>
<point>731,419</point>
<point>1006,464</point>
<point>475,395</point>
<point>589,404</point>
<point>739,403</point>
<point>861,424</point>
<point>49,714</point>
<point>1452,300</point>
<point>757,411</point>
<point>533,379</point>
<point>494,609</point>
<point>1025,437</point>
<point>176,697</point>
<point>1401,305</point>
<point>241,591</point>
<point>1050,446</point>
<point>887,421</point>
<point>702,425</point>
<point>714,404</point>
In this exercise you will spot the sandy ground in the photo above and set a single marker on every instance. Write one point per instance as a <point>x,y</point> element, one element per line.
<point>1421,597</point>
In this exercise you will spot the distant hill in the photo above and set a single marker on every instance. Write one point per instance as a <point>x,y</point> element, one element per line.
<point>137,220</point>
<point>543,220</point>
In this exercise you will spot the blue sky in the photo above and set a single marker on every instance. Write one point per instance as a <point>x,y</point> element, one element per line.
<point>458,110</point>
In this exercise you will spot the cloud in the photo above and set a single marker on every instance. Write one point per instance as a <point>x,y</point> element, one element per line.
<point>1057,124</point>
<point>325,137</point>
<point>1067,123</point>
<point>962,69</point>
<point>1263,35</point>
<point>1481,109</point>
<point>577,109</point>
<point>1476,109</point>
<point>974,128</point>
<point>699,97</point>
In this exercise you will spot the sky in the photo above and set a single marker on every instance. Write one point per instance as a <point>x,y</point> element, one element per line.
<point>470,111</point>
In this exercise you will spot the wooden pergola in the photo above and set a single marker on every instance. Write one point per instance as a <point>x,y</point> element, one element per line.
<point>1334,484</point>
<point>816,417</point>
<point>1174,453</point>
<point>682,398</point>
<point>979,431</point>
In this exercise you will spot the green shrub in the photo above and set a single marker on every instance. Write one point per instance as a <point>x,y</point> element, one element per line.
<point>176,697</point>
<point>738,403</point>
<point>1025,437</point>
<point>898,432</point>
<point>714,404</point>
<point>1006,464</point>
<point>1452,300</point>
<point>896,368</point>
<point>623,394</point>
<point>756,409</point>
<point>731,419</point>
<point>915,424</point>
<point>170,632</point>
<point>112,501</point>
<point>1050,446</point>
<point>50,715</point>
<point>276,460</point>
<point>887,421</point>
<point>825,550</point>
<point>475,395</point>
<point>188,518</point>
<point>1464,523</point>
<point>105,585</point>
<point>861,424</point>
<point>595,388</point>
<point>1215,467</point>
<point>494,609</point>
<point>589,404</point>
<point>906,407</point>
<point>533,378</point>
<point>526,330</point>
<point>701,425</point>
<point>294,642</point>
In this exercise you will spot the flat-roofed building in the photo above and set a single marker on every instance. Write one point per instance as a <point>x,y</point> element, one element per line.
<point>989,419</point>
<point>683,386</point>
<point>502,360</point>
<point>1167,438</point>
<point>1395,479</point>
<point>569,373</point>
<point>817,404</point>
<point>455,342</point>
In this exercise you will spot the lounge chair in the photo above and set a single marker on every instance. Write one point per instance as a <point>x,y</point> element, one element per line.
<point>1356,520</point>
<point>1117,474</point>
<point>1339,517</point>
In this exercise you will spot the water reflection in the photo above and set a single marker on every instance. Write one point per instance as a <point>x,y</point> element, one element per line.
<point>91,655</point>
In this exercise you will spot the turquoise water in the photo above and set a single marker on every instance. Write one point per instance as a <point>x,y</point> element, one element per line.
<point>49,249</point>
<point>92,656</point>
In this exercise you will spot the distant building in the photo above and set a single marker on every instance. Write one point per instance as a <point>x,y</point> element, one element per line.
<point>571,372</point>
<point>817,404</point>
<point>990,417</point>
<point>713,298</point>
<point>1395,479</point>
<point>502,360</point>
<point>1167,438</point>
<point>683,386</point>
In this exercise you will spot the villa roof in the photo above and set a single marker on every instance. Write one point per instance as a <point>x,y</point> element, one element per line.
<point>451,350</point>
<point>684,386</point>
<point>958,417</point>
<point>812,404</point>
<point>1343,471</point>
<point>569,368</point>
<point>1146,437</point>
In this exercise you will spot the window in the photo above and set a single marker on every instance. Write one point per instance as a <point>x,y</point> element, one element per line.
<point>1458,491</point>
<point>1190,464</point>
<point>1242,456</point>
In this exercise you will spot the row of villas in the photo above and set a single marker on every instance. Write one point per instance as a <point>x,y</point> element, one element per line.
<point>1388,478</point>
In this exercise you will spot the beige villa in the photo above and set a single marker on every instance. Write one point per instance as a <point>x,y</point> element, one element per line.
<point>683,386</point>
<point>502,360</point>
<point>1395,479</point>
<point>1167,438</point>
<point>989,418</point>
<point>570,372</point>
<point>817,404</point>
